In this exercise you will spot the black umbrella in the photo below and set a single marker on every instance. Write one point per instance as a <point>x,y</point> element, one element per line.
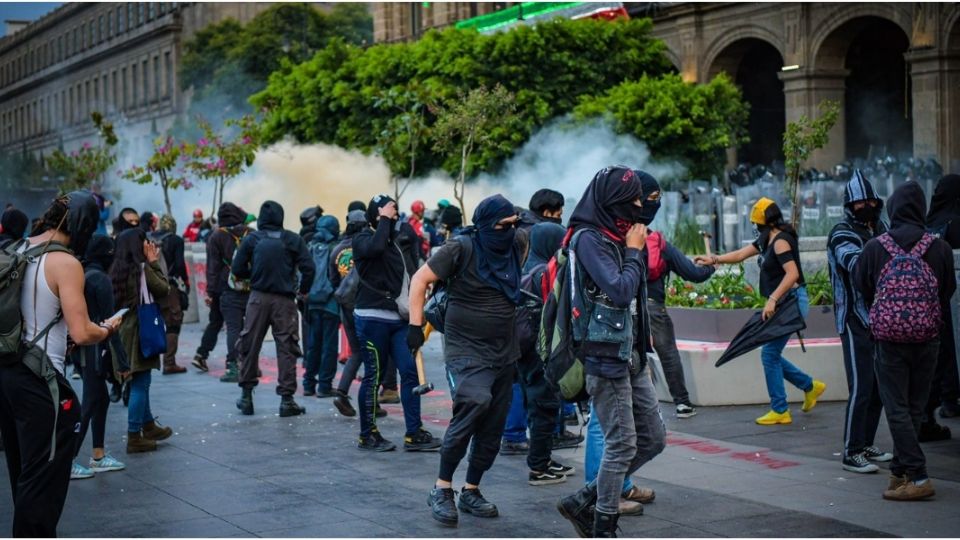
<point>784,321</point>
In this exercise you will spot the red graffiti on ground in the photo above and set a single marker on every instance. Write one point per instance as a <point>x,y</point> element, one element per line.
<point>761,457</point>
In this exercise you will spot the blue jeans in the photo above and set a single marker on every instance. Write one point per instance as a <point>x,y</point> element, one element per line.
<point>516,429</point>
<point>321,357</point>
<point>138,410</point>
<point>776,368</point>
<point>380,339</point>
<point>594,452</point>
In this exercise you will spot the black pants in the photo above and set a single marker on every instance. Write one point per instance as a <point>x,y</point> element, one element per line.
<point>944,388</point>
<point>279,314</point>
<point>353,364</point>
<point>96,402</point>
<point>27,421</point>
<point>481,391</point>
<point>210,333</point>
<point>864,406</point>
<point>665,343</point>
<point>904,373</point>
<point>542,405</point>
<point>233,304</point>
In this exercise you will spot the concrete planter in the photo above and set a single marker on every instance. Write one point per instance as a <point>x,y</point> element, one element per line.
<point>720,325</point>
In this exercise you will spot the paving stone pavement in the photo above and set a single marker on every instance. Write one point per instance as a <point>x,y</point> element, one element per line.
<point>226,475</point>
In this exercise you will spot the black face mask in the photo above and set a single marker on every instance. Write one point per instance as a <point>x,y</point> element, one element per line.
<point>867,214</point>
<point>760,231</point>
<point>648,211</point>
<point>629,212</point>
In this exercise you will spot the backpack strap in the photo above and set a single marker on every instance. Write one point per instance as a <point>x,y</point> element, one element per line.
<point>923,245</point>
<point>890,245</point>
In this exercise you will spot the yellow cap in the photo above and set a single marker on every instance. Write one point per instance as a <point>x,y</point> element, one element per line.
<point>758,214</point>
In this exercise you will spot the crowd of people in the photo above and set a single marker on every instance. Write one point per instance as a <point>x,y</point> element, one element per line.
<point>84,297</point>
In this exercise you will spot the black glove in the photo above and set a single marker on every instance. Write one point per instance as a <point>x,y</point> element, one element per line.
<point>415,337</point>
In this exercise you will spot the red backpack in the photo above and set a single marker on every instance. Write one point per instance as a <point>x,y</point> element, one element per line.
<point>906,307</point>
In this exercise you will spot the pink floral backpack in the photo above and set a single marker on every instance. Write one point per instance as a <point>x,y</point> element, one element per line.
<point>906,307</point>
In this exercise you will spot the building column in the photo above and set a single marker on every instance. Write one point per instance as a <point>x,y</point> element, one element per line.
<point>935,85</point>
<point>803,91</point>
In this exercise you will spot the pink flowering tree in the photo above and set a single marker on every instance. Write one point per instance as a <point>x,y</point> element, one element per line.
<point>165,168</point>
<point>221,157</point>
<point>88,164</point>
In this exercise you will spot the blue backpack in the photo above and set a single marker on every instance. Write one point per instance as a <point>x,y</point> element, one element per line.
<point>321,291</point>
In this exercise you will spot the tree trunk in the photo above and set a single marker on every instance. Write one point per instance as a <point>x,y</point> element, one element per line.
<point>795,214</point>
<point>223,184</point>
<point>166,195</point>
<point>459,184</point>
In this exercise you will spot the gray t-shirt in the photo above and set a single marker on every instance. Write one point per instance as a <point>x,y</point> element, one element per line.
<point>479,322</point>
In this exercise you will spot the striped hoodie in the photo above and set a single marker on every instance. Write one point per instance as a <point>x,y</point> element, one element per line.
<point>844,245</point>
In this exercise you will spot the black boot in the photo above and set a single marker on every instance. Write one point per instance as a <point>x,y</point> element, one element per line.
<point>442,506</point>
<point>605,525</point>
<point>245,403</point>
<point>289,407</point>
<point>578,509</point>
<point>931,431</point>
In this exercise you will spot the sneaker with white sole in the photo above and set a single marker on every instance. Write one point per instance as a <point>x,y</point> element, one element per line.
<point>546,478</point>
<point>79,472</point>
<point>563,470</point>
<point>858,463</point>
<point>685,411</point>
<point>875,454</point>
<point>106,464</point>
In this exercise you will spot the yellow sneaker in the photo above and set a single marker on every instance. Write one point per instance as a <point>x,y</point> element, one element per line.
<point>773,418</point>
<point>810,397</point>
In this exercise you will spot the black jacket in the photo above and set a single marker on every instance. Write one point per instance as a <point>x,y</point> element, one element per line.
<point>271,256</point>
<point>98,293</point>
<point>907,209</point>
<point>380,263</point>
<point>172,248</point>
<point>221,244</point>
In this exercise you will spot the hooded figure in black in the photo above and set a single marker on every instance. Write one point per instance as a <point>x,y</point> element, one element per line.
<point>546,206</point>
<point>861,223</point>
<point>104,361</point>
<point>545,239</point>
<point>943,220</point>
<point>122,221</point>
<point>14,224</point>
<point>611,321</point>
<point>905,371</point>
<point>270,258</point>
<point>227,304</point>
<point>482,271</point>
<point>308,222</point>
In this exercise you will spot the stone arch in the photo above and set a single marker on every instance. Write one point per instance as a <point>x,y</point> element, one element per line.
<point>729,37</point>
<point>829,45</point>
<point>951,31</point>
<point>672,56</point>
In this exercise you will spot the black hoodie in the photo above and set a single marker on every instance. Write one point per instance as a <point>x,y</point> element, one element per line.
<point>271,256</point>
<point>221,245</point>
<point>906,208</point>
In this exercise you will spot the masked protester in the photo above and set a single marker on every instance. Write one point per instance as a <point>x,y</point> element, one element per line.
<point>308,222</point>
<point>226,296</point>
<point>41,439</point>
<point>100,362</point>
<point>861,223</point>
<point>480,350</point>
<point>383,269</point>
<point>270,258</point>
<point>606,237</point>
<point>943,220</point>
<point>192,232</point>
<point>323,314</point>
<point>906,323</point>
<point>128,219</point>
<point>174,304</point>
<point>14,225</point>
<point>546,205</point>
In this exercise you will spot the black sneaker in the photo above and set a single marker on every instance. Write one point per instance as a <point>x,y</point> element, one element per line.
<point>443,507</point>
<point>858,463</point>
<point>932,431</point>
<point>545,478</point>
<point>289,407</point>
<point>875,454</point>
<point>685,410</point>
<point>376,443</point>
<point>245,403</point>
<point>566,440</point>
<point>200,362</point>
<point>557,468</point>
<point>308,392</point>
<point>472,502</point>
<point>380,412</point>
<point>508,448</point>
<point>421,441</point>
<point>342,403</point>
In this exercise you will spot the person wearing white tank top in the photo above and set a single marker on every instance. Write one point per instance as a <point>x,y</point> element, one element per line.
<point>38,464</point>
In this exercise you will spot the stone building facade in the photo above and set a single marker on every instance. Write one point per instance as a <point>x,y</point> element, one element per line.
<point>893,67</point>
<point>117,58</point>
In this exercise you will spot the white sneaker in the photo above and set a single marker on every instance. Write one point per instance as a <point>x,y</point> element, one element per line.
<point>106,464</point>
<point>685,411</point>
<point>858,463</point>
<point>875,454</point>
<point>79,472</point>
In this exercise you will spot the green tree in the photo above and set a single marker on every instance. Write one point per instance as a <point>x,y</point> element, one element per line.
<point>400,139</point>
<point>801,139</point>
<point>220,157</point>
<point>467,131</point>
<point>86,165</point>
<point>332,97</point>
<point>162,169</point>
<point>691,123</point>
